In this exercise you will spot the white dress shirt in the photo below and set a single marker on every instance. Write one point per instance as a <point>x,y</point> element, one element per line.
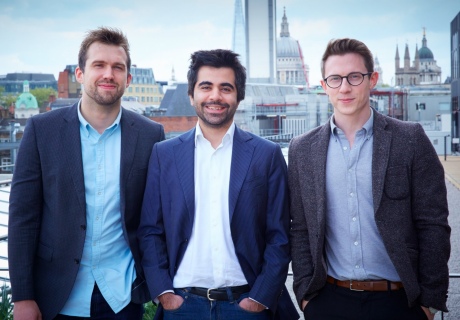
<point>210,260</point>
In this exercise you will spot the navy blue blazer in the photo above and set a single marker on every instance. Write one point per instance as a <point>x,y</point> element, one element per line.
<point>47,214</point>
<point>259,216</point>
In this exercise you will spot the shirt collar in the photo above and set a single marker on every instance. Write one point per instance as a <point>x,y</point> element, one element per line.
<point>368,126</point>
<point>228,135</point>
<point>85,124</point>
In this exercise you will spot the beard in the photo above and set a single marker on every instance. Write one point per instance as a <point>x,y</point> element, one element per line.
<point>215,120</point>
<point>106,98</point>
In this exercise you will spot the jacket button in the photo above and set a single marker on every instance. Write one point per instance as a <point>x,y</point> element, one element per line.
<point>83,227</point>
<point>77,261</point>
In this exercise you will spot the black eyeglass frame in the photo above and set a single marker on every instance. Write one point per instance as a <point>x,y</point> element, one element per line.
<point>341,79</point>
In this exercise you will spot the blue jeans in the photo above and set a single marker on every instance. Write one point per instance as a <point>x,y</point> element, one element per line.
<point>100,310</point>
<point>197,307</point>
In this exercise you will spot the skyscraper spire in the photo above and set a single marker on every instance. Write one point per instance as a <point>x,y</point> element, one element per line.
<point>239,33</point>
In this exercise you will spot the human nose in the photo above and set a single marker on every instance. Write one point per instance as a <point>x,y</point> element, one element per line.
<point>345,86</point>
<point>215,94</point>
<point>108,72</point>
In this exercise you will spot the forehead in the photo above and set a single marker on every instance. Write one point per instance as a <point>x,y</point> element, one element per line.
<point>216,75</point>
<point>106,52</point>
<point>344,64</point>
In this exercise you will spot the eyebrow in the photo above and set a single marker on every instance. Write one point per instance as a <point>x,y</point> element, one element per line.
<point>224,84</point>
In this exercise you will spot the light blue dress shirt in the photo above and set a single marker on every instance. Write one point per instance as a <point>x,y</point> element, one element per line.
<point>354,247</point>
<point>107,259</point>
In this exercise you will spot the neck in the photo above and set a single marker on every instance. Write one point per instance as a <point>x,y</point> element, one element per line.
<point>350,124</point>
<point>214,135</point>
<point>99,117</point>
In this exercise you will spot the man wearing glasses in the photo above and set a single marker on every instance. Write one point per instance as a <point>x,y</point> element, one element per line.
<point>369,233</point>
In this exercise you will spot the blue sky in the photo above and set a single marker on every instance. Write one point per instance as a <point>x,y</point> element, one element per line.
<point>44,36</point>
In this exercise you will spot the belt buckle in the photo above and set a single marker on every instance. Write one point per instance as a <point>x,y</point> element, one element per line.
<point>208,294</point>
<point>351,286</point>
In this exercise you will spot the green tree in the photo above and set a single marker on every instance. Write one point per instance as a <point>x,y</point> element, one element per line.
<point>6,100</point>
<point>42,95</point>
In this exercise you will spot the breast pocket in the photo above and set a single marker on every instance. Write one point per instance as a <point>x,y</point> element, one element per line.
<point>397,185</point>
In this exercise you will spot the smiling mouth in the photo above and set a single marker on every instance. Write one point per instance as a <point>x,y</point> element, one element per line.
<point>215,107</point>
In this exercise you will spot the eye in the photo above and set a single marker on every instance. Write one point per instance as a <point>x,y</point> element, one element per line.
<point>354,76</point>
<point>333,78</point>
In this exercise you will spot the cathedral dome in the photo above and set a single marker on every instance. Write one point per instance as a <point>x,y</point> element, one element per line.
<point>425,53</point>
<point>287,47</point>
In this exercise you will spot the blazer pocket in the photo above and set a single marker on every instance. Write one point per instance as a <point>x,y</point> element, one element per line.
<point>45,252</point>
<point>253,183</point>
<point>397,185</point>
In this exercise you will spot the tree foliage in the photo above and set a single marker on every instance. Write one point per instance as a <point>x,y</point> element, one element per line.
<point>42,94</point>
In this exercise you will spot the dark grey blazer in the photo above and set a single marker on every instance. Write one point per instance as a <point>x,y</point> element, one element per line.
<point>410,209</point>
<point>47,215</point>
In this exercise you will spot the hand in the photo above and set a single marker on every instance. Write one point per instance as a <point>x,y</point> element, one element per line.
<point>251,305</point>
<point>26,310</point>
<point>429,315</point>
<point>170,301</point>
<point>304,304</point>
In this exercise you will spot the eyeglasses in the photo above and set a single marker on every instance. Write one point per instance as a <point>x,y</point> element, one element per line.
<point>355,79</point>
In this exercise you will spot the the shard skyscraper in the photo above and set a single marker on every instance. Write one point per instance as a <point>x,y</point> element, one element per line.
<point>239,32</point>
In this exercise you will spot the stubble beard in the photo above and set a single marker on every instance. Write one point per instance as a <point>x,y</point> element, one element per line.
<point>107,99</point>
<point>210,120</point>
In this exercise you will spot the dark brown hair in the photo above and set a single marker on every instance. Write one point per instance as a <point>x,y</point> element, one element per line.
<point>218,58</point>
<point>105,35</point>
<point>344,46</point>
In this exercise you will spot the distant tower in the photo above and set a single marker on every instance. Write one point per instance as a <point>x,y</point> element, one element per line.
<point>173,75</point>
<point>290,67</point>
<point>261,40</point>
<point>239,35</point>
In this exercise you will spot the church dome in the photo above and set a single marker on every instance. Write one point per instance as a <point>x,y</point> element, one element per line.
<point>26,100</point>
<point>425,53</point>
<point>286,47</point>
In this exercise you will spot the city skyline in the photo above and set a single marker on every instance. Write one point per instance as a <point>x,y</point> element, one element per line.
<point>45,37</point>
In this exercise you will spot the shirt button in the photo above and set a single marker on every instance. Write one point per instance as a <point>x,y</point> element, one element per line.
<point>345,148</point>
<point>356,267</point>
<point>356,243</point>
<point>354,219</point>
<point>351,194</point>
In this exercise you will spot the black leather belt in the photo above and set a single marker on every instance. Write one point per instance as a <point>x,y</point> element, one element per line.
<point>219,294</point>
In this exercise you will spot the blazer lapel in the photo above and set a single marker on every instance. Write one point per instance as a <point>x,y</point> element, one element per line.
<point>241,159</point>
<point>184,154</point>
<point>318,156</point>
<point>380,156</point>
<point>129,135</point>
<point>71,143</point>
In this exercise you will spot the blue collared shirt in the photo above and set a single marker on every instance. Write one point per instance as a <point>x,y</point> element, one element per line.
<point>354,247</point>
<point>107,259</point>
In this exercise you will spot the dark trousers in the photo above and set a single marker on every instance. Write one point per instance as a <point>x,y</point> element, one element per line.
<point>335,302</point>
<point>100,310</point>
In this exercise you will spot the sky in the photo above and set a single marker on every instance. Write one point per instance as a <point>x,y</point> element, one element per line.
<point>44,36</point>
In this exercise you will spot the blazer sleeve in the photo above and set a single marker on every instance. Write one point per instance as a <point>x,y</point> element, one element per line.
<point>151,233</point>
<point>24,216</point>
<point>430,213</point>
<point>269,284</point>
